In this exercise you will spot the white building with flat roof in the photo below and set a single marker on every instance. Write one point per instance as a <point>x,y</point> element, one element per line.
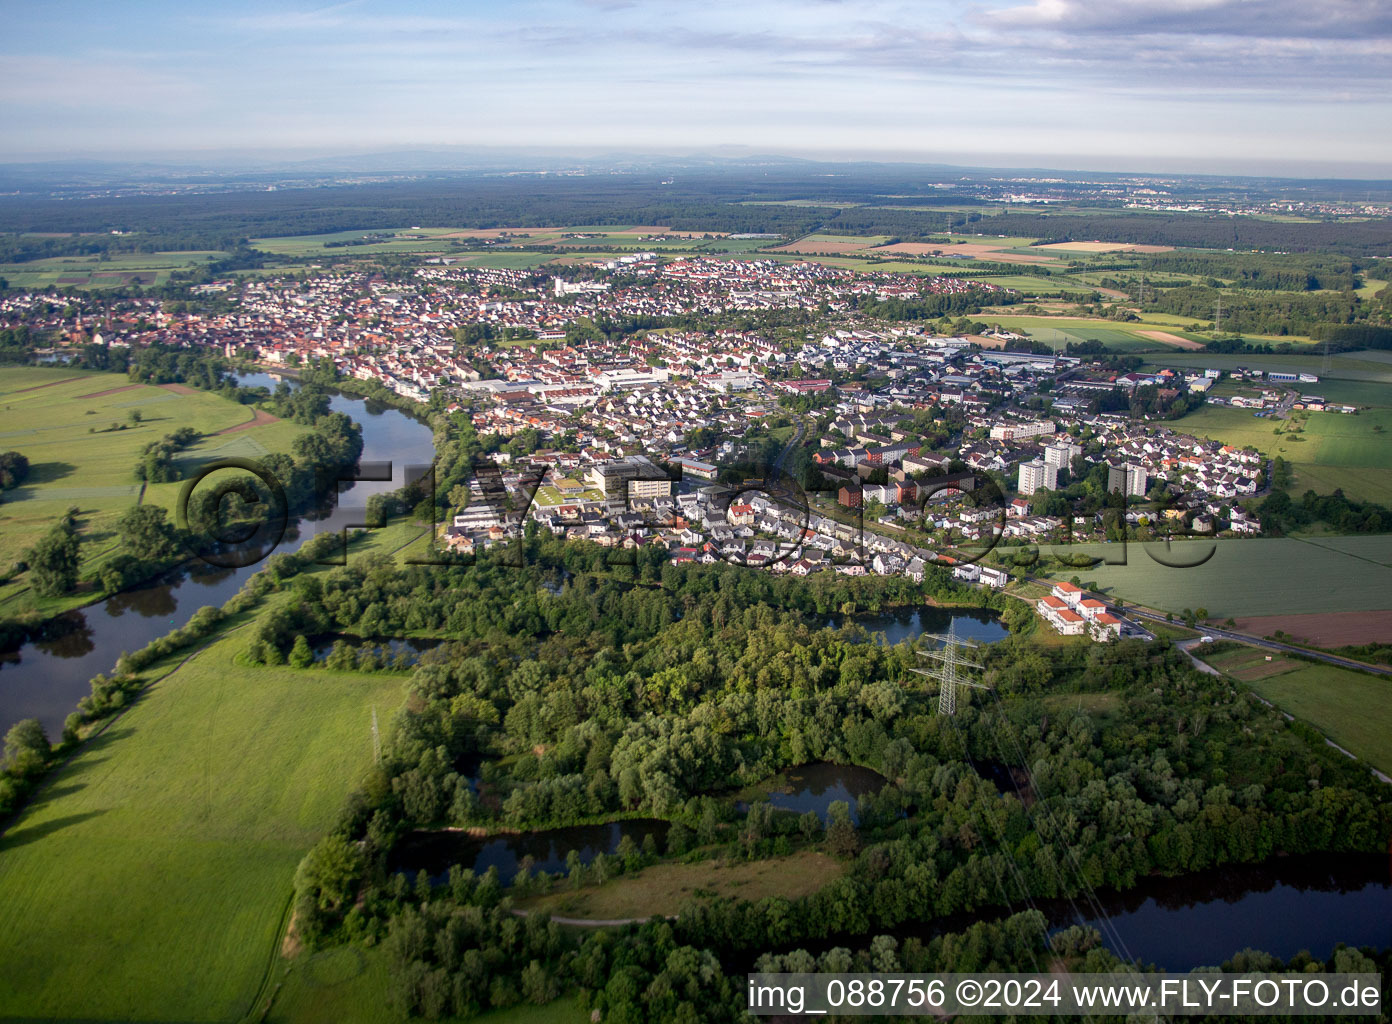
<point>1036,474</point>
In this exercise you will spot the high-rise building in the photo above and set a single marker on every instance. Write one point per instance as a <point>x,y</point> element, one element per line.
<point>1036,474</point>
<point>1127,478</point>
<point>1060,455</point>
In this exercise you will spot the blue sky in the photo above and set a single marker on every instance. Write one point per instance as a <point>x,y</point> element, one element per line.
<point>1108,84</point>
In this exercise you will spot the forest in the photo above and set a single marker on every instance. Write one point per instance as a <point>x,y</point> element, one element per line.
<point>564,693</point>
<point>703,200</point>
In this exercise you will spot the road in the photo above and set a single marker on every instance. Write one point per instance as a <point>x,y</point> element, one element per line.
<point>788,448</point>
<point>1271,645</point>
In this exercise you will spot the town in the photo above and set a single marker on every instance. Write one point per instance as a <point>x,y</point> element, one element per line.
<point>673,428</point>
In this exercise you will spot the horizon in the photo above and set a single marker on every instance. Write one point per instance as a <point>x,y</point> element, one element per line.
<point>485,160</point>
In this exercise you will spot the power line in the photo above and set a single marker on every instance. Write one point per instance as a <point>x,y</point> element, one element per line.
<point>949,675</point>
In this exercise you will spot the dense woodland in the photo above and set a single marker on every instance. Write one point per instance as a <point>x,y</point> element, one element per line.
<point>612,699</point>
<point>701,200</point>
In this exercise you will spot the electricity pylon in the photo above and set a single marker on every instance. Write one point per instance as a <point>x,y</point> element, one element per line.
<point>948,672</point>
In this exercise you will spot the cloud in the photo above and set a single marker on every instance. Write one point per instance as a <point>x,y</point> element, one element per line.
<point>1283,19</point>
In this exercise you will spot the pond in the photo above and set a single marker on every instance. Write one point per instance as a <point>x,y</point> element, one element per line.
<point>975,624</point>
<point>815,787</point>
<point>436,852</point>
<point>394,651</point>
<point>46,677</point>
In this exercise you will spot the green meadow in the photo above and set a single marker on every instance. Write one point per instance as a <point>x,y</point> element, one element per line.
<point>1326,450</point>
<point>105,271</point>
<point>149,880</point>
<point>1258,576</point>
<point>60,419</point>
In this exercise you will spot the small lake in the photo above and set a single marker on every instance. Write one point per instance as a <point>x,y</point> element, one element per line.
<point>395,652</point>
<point>46,677</point>
<point>975,624</point>
<point>437,852</point>
<point>815,787</point>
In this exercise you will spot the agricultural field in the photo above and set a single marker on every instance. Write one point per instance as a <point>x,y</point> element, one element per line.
<point>1058,331</point>
<point>61,420</point>
<point>174,836</point>
<point>1353,709</point>
<point>663,888</point>
<point>1260,576</point>
<point>106,271</point>
<point>450,241</point>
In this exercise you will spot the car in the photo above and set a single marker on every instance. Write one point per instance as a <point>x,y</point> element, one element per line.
<point>1205,639</point>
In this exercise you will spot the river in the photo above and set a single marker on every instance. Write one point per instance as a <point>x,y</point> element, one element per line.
<point>1281,907</point>
<point>45,678</point>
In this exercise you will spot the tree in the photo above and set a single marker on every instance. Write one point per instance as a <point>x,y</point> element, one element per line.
<point>26,747</point>
<point>329,872</point>
<point>14,467</point>
<point>842,839</point>
<point>146,533</point>
<point>53,561</point>
<point>301,656</point>
<point>133,417</point>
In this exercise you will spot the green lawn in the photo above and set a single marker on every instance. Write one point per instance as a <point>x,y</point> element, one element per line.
<point>1351,708</point>
<point>149,880</point>
<point>1260,576</point>
<point>59,419</point>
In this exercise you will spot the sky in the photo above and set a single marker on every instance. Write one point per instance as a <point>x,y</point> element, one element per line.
<point>1163,85</point>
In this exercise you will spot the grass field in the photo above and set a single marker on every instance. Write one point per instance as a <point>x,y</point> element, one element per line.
<point>1328,450</point>
<point>1261,576</point>
<point>103,272</point>
<point>148,882</point>
<point>1057,331</point>
<point>1351,708</point>
<point>46,414</point>
<point>663,888</point>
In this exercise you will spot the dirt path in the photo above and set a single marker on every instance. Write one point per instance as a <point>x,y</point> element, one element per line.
<point>259,418</point>
<point>586,922</point>
<point>180,389</point>
<point>1171,339</point>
